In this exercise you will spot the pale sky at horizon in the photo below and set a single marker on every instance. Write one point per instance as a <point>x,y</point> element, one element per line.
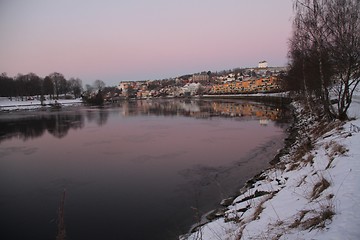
<point>116,40</point>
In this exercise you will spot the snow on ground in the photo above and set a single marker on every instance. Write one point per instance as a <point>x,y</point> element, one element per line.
<point>16,104</point>
<point>312,193</point>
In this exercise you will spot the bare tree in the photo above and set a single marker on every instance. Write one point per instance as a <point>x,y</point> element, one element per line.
<point>75,86</point>
<point>343,24</point>
<point>99,85</point>
<point>297,75</point>
<point>33,84</point>
<point>325,46</point>
<point>58,81</point>
<point>64,86</point>
<point>311,17</point>
<point>7,84</point>
<point>48,87</point>
<point>89,88</point>
<point>20,86</point>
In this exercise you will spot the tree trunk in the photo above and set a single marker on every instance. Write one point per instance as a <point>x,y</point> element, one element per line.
<point>324,91</point>
<point>307,93</point>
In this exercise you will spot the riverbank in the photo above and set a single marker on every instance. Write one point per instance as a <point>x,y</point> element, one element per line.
<point>311,193</point>
<point>31,104</point>
<point>15,104</point>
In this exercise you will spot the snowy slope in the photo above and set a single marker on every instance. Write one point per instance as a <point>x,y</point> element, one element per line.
<point>312,193</point>
<point>16,104</point>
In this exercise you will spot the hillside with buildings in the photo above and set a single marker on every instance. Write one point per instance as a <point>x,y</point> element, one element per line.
<point>262,79</point>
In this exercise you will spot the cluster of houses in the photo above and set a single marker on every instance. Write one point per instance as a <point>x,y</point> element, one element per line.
<point>250,85</point>
<point>141,89</point>
<point>237,81</point>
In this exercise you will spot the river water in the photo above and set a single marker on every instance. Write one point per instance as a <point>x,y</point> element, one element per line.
<point>136,170</point>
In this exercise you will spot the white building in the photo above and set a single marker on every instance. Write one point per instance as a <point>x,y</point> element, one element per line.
<point>263,64</point>
<point>191,88</point>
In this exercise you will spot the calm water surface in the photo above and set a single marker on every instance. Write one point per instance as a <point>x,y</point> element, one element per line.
<point>138,170</point>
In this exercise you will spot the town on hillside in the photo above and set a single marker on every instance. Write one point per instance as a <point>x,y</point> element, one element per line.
<point>260,79</point>
<point>29,87</point>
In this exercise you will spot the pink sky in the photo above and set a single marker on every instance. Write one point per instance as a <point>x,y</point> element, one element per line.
<point>118,40</point>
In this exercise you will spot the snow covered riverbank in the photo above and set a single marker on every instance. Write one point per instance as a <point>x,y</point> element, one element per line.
<point>10,105</point>
<point>312,193</point>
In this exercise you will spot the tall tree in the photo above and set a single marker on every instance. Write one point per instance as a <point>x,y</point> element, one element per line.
<point>58,81</point>
<point>33,84</point>
<point>48,86</point>
<point>324,51</point>
<point>64,86</point>
<point>99,85</point>
<point>7,84</point>
<point>89,89</point>
<point>20,86</point>
<point>310,19</point>
<point>343,24</point>
<point>75,86</point>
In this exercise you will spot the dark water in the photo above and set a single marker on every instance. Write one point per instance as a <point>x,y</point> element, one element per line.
<point>138,170</point>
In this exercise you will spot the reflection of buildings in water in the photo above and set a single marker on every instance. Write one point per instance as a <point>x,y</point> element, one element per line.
<point>246,110</point>
<point>125,109</point>
<point>59,124</point>
<point>190,107</point>
<point>200,114</point>
<point>264,122</point>
<point>159,107</point>
<point>199,108</point>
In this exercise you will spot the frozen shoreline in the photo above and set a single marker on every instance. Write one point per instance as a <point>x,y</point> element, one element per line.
<point>16,105</point>
<point>312,193</point>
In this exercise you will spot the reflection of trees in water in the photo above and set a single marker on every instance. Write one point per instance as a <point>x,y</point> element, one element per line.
<point>58,124</point>
<point>205,108</point>
<point>284,116</point>
<point>28,127</point>
<point>161,107</point>
<point>99,116</point>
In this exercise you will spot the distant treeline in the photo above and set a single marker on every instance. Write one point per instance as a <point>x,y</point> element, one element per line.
<point>31,84</point>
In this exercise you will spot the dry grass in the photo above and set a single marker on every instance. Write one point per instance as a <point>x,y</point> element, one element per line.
<point>324,127</point>
<point>330,196</point>
<point>334,149</point>
<point>331,159</point>
<point>310,159</point>
<point>280,166</point>
<point>302,150</point>
<point>319,187</point>
<point>297,221</point>
<point>293,166</point>
<point>301,181</point>
<point>256,215</point>
<point>277,237</point>
<point>338,149</point>
<point>319,220</point>
<point>260,207</point>
<point>320,129</point>
<point>258,211</point>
